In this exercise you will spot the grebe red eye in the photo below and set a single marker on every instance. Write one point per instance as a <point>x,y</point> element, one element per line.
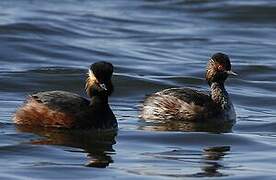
<point>220,67</point>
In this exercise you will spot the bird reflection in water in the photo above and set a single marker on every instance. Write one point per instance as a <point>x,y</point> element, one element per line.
<point>211,161</point>
<point>97,144</point>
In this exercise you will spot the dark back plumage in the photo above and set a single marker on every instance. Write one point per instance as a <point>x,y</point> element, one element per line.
<point>182,104</point>
<point>62,101</point>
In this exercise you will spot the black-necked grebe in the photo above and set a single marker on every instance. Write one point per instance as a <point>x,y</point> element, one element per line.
<point>68,110</point>
<point>187,104</point>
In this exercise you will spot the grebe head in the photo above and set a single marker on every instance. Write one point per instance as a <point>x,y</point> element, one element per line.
<point>99,78</point>
<point>218,68</point>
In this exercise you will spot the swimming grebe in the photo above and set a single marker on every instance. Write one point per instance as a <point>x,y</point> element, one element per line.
<point>68,110</point>
<point>187,104</point>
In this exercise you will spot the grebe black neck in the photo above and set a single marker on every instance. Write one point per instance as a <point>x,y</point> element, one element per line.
<point>218,70</point>
<point>99,87</point>
<point>219,95</point>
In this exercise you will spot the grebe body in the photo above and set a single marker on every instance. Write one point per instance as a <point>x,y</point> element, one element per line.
<point>68,110</point>
<point>191,105</point>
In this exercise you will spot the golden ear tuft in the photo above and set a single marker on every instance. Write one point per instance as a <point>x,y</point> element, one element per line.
<point>90,81</point>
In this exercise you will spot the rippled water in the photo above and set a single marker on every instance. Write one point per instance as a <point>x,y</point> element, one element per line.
<point>154,44</point>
